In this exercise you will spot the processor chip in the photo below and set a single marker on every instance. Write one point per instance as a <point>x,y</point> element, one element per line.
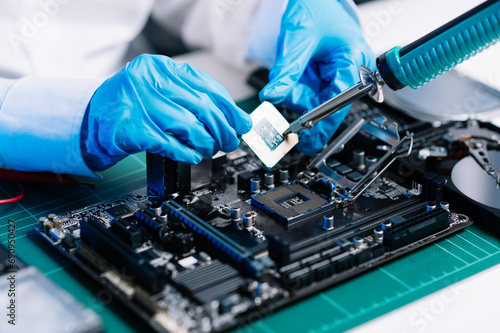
<point>269,134</point>
<point>266,137</point>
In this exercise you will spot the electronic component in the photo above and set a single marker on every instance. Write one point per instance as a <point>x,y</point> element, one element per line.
<point>118,211</point>
<point>266,137</point>
<point>405,230</point>
<point>118,253</point>
<point>210,282</point>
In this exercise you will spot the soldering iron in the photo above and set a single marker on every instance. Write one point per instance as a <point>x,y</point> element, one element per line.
<point>418,62</point>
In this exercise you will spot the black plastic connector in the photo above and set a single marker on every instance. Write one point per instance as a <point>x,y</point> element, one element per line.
<point>119,254</point>
<point>127,231</point>
<point>408,230</point>
<point>433,187</point>
<point>150,223</point>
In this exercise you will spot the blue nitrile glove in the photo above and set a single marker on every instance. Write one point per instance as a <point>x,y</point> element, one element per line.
<point>320,47</point>
<point>154,104</point>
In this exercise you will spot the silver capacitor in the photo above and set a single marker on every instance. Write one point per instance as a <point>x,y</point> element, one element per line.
<point>386,225</point>
<point>248,219</point>
<point>284,177</point>
<point>155,207</point>
<point>236,214</point>
<point>255,185</point>
<point>358,242</point>
<point>163,217</point>
<point>358,159</point>
<point>445,205</point>
<point>370,161</point>
<point>328,222</point>
<point>269,180</point>
<point>378,234</point>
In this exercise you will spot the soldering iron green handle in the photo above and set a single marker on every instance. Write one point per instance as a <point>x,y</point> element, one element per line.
<point>442,49</point>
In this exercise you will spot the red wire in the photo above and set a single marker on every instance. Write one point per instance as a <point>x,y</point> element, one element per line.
<point>14,199</point>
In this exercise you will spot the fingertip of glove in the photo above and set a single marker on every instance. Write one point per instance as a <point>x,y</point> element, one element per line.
<point>242,123</point>
<point>247,124</point>
<point>230,146</point>
<point>185,155</point>
<point>274,93</point>
<point>193,159</point>
<point>264,95</point>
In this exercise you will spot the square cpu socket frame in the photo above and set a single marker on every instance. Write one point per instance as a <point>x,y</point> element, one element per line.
<point>292,203</point>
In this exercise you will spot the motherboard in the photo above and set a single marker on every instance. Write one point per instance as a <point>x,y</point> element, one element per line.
<point>205,248</point>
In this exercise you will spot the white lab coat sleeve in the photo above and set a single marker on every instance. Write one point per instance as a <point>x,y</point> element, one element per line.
<point>40,123</point>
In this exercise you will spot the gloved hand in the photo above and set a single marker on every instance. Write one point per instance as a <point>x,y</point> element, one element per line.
<point>320,47</point>
<point>154,104</point>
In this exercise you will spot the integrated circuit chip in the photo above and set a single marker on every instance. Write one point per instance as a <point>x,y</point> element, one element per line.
<point>118,211</point>
<point>266,137</point>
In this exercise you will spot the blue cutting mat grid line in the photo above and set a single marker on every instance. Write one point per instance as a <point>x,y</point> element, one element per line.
<point>338,308</point>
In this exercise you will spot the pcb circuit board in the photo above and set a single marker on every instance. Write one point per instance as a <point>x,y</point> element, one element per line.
<point>205,248</point>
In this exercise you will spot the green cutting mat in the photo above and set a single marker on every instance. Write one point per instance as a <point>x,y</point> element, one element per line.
<point>339,308</point>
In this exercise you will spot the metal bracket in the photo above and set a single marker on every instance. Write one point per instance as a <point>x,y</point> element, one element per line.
<point>377,128</point>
